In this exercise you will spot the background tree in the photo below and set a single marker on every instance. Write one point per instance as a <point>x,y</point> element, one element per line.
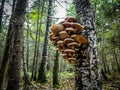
<point>55,70</point>
<point>1,13</point>
<point>7,51</point>
<point>41,74</point>
<point>15,64</point>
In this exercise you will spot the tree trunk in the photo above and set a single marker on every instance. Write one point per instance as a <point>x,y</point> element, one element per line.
<point>25,70</point>
<point>1,13</point>
<point>6,58</point>
<point>86,75</point>
<point>116,59</point>
<point>102,52</point>
<point>15,64</point>
<point>55,70</point>
<point>7,51</point>
<point>41,74</point>
<point>27,53</point>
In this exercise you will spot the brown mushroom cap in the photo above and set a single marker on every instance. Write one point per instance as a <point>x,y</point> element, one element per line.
<point>70,19</point>
<point>71,60</point>
<point>72,45</point>
<point>70,30</point>
<point>67,24</point>
<point>63,34</point>
<point>79,38</point>
<point>54,39</point>
<point>69,52</point>
<point>64,55</point>
<point>77,25</point>
<point>68,40</point>
<point>60,45</point>
<point>51,36</point>
<point>60,42</point>
<point>56,28</point>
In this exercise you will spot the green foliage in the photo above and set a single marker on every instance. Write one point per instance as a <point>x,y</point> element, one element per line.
<point>71,11</point>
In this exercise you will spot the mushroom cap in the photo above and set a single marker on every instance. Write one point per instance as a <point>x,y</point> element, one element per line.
<point>70,19</point>
<point>72,45</point>
<point>79,39</point>
<point>78,26</point>
<point>67,24</point>
<point>70,30</point>
<point>51,36</point>
<point>63,34</point>
<point>54,39</point>
<point>68,40</point>
<point>56,28</point>
<point>71,60</point>
<point>69,50</point>
<point>60,42</point>
<point>60,45</point>
<point>64,55</point>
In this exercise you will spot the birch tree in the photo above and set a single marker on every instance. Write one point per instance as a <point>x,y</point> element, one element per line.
<point>87,73</point>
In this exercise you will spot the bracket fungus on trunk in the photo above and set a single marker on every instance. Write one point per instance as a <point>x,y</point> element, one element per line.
<point>67,39</point>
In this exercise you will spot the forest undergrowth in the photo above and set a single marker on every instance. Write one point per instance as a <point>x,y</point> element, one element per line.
<point>67,82</point>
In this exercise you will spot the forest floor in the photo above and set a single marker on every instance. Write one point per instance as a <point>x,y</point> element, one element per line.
<point>67,83</point>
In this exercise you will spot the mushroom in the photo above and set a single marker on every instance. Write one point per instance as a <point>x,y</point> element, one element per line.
<point>78,27</point>
<point>70,19</point>
<point>68,40</point>
<point>56,28</point>
<point>54,39</point>
<point>69,52</point>
<point>73,45</point>
<point>60,45</point>
<point>51,36</point>
<point>79,38</point>
<point>67,24</point>
<point>70,30</point>
<point>71,60</point>
<point>63,34</point>
<point>64,55</point>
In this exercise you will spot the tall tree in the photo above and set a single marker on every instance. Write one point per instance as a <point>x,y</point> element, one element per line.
<point>37,44</point>
<point>7,50</point>
<point>87,76</point>
<point>15,64</point>
<point>41,74</point>
<point>1,13</point>
<point>55,70</point>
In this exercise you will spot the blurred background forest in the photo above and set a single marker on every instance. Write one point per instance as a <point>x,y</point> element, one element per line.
<point>107,20</point>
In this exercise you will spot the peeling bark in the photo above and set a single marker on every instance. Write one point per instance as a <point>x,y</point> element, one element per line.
<point>87,73</point>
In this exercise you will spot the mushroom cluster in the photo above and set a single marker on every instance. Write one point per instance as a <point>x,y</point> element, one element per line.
<point>66,37</point>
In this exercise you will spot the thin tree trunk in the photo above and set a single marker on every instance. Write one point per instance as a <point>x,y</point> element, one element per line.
<point>15,64</point>
<point>7,52</point>
<point>55,70</point>
<point>41,74</point>
<point>1,13</point>
<point>102,52</point>
<point>39,30</point>
<point>86,75</point>
<point>35,50</point>
<point>27,54</point>
<point>25,70</point>
<point>116,60</point>
<point>5,59</point>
